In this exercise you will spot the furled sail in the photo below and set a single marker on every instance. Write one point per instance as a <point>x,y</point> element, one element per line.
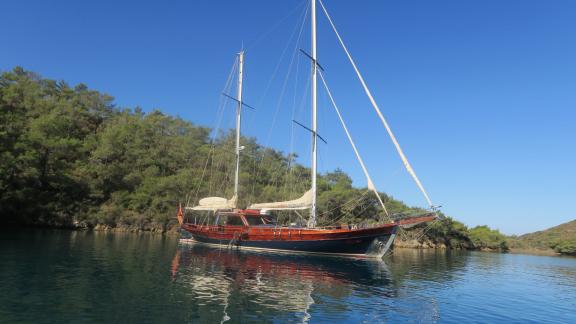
<point>215,203</point>
<point>303,202</point>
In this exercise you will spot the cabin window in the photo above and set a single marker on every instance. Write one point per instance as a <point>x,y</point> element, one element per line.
<point>198,216</point>
<point>254,221</point>
<point>234,221</point>
<point>261,220</point>
<point>220,219</point>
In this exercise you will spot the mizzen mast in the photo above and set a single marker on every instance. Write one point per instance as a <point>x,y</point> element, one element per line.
<point>238,121</point>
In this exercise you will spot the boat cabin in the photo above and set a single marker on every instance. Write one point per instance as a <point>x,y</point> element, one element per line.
<point>248,218</point>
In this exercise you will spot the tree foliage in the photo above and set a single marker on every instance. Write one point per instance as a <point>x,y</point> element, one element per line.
<point>484,237</point>
<point>451,233</point>
<point>565,247</point>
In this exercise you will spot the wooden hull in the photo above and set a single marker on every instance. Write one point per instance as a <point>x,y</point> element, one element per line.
<point>373,241</point>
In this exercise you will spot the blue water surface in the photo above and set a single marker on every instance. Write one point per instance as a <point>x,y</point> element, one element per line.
<point>54,276</point>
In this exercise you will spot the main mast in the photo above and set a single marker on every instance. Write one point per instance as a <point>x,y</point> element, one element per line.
<point>312,220</point>
<point>238,121</point>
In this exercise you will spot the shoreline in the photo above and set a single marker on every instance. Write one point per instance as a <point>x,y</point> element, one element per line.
<point>540,252</point>
<point>173,230</point>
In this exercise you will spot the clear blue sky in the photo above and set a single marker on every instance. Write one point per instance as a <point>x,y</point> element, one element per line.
<point>481,94</point>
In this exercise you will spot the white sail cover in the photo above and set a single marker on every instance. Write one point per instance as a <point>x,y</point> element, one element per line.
<point>303,202</point>
<point>215,203</point>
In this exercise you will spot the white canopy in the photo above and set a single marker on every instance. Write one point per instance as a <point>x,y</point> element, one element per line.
<point>215,203</point>
<point>303,202</point>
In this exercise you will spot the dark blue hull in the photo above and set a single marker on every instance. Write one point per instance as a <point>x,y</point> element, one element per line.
<point>367,245</point>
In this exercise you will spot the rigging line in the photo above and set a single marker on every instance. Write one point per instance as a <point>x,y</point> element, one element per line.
<point>349,202</point>
<point>205,220</point>
<point>290,171</point>
<point>256,163</point>
<point>370,183</point>
<point>426,229</point>
<point>219,115</point>
<point>284,84</point>
<point>226,162</point>
<point>225,166</point>
<point>279,63</point>
<point>346,203</point>
<point>364,207</point>
<point>218,161</point>
<point>294,135</point>
<point>290,161</point>
<point>217,130</point>
<point>221,160</point>
<point>208,159</point>
<point>298,115</point>
<point>274,27</point>
<point>215,168</point>
<point>402,234</point>
<point>223,101</point>
<point>201,178</point>
<point>335,222</point>
<point>224,172</point>
<point>377,109</point>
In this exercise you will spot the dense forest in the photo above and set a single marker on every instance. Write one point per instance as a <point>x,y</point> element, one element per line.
<point>70,158</point>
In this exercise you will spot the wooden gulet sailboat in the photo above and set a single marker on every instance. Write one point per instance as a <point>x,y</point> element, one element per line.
<point>256,228</point>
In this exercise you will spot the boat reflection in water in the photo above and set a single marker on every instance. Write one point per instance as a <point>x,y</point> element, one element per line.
<point>230,284</point>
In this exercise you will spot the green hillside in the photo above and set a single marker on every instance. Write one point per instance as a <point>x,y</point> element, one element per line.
<point>561,238</point>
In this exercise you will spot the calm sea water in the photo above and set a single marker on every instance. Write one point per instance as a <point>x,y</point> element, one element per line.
<point>49,276</point>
